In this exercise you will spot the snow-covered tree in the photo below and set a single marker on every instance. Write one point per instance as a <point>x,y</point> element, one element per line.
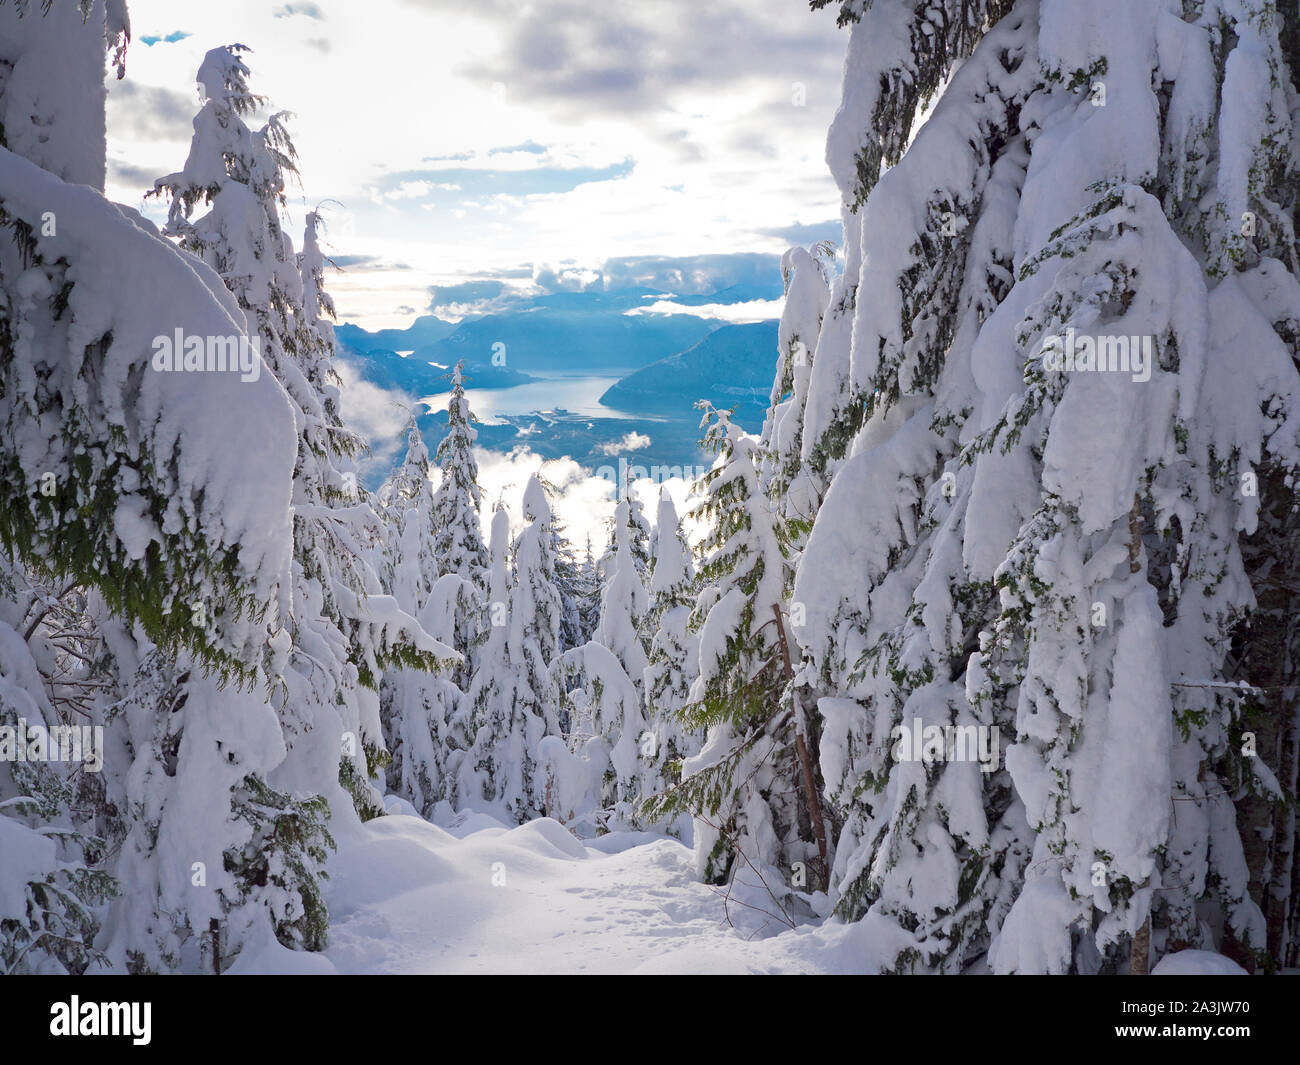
<point>53,880</point>
<point>165,492</point>
<point>416,706</point>
<point>1061,343</point>
<point>742,786</point>
<point>109,469</point>
<point>535,607</point>
<point>806,299</point>
<point>457,505</point>
<point>458,501</point>
<point>579,596</point>
<point>623,599</point>
<point>608,734</point>
<point>638,534</point>
<point>513,698</point>
<point>590,587</point>
<point>674,651</point>
<point>495,768</point>
<point>407,497</point>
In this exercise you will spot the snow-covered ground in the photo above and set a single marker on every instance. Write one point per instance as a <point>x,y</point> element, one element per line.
<point>413,898</point>
<point>406,896</point>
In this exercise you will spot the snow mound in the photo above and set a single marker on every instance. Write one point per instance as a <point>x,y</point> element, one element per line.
<point>468,822</point>
<point>548,838</point>
<point>397,854</point>
<point>1197,963</point>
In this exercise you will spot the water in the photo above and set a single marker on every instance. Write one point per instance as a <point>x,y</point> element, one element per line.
<point>577,394</point>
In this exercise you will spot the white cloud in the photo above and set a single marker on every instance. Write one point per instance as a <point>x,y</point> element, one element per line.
<point>406,190</point>
<point>750,311</point>
<point>634,441</point>
<point>377,414</point>
<point>584,504</point>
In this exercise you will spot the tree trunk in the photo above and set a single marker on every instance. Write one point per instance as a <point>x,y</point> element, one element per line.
<point>1140,957</point>
<point>805,759</point>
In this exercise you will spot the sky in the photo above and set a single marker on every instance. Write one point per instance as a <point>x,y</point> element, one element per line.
<point>458,147</point>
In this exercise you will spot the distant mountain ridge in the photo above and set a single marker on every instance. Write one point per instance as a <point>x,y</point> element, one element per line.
<point>732,366</point>
<point>417,376</point>
<point>424,331</point>
<point>565,332</point>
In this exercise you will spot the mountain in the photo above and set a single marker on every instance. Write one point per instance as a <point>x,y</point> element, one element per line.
<point>559,332</point>
<point>417,376</point>
<point>424,331</point>
<point>596,335</point>
<point>732,366</point>
<point>742,293</point>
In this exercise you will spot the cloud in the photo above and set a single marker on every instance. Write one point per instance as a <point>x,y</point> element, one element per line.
<point>307,10</point>
<point>376,413</point>
<point>694,274</point>
<point>678,276</point>
<point>805,235</point>
<point>637,59</point>
<point>485,181</point>
<point>355,262</point>
<point>530,147</point>
<point>683,275</point>
<point>663,129</point>
<point>749,311</point>
<point>407,190</point>
<point>150,113</point>
<point>140,177</point>
<point>568,278</point>
<point>469,297</point>
<point>583,504</point>
<point>634,441</point>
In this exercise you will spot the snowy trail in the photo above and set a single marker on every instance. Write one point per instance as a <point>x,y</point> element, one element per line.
<point>409,897</point>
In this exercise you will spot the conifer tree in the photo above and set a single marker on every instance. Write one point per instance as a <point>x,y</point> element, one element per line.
<point>623,600</point>
<point>407,497</point>
<point>574,582</point>
<point>674,653</point>
<point>741,787</point>
<point>168,493</point>
<point>457,505</point>
<point>416,706</point>
<point>513,699</point>
<point>806,299</point>
<point>535,606</point>
<point>53,879</point>
<point>458,500</point>
<point>1046,550</point>
<point>108,467</point>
